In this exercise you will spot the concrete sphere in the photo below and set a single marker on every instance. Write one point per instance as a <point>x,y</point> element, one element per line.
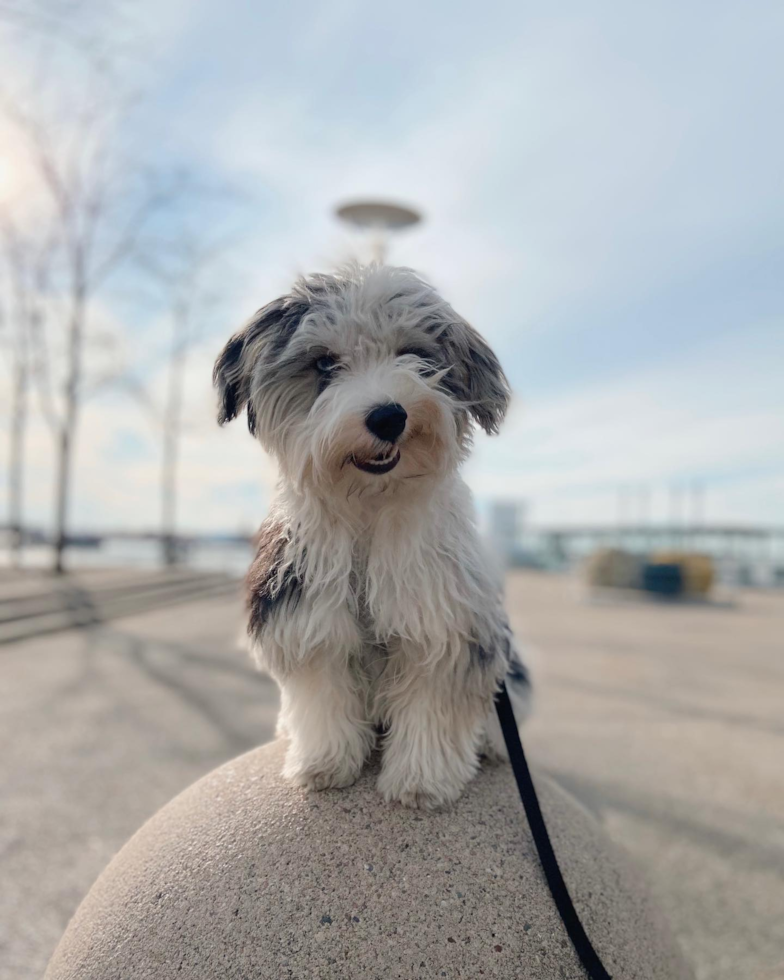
<point>243,877</point>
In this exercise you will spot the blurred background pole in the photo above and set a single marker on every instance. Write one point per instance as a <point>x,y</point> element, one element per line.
<point>377,219</point>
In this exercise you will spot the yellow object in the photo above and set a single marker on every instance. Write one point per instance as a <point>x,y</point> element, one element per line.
<point>614,569</point>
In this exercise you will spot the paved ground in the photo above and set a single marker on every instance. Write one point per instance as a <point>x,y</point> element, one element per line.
<point>667,722</point>
<point>99,728</point>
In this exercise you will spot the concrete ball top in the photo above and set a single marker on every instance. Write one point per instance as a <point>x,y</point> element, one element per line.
<point>243,877</point>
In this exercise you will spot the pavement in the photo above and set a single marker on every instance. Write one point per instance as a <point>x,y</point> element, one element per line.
<point>666,721</point>
<point>34,602</point>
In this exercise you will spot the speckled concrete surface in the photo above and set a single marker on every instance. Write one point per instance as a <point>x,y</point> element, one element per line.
<point>244,877</point>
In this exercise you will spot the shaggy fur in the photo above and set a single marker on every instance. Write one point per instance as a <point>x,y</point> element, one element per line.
<point>370,600</point>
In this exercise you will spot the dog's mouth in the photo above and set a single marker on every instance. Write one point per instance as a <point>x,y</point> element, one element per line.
<point>383,463</point>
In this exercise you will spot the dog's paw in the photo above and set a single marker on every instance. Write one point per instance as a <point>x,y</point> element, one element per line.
<point>419,796</point>
<point>313,780</point>
<point>317,775</point>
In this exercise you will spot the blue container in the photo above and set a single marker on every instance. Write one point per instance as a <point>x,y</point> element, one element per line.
<point>663,580</point>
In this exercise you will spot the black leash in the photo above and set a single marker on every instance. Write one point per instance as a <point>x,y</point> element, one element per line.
<point>563,902</point>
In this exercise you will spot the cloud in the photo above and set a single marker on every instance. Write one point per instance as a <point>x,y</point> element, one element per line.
<point>562,164</point>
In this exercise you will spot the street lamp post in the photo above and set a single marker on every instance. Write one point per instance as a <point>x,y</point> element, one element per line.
<point>378,219</point>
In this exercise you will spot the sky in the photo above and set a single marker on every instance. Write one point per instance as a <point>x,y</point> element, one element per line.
<point>602,196</point>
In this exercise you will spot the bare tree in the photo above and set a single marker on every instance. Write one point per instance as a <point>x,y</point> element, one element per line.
<point>184,271</point>
<point>102,204</point>
<point>27,264</point>
<point>172,421</point>
<point>104,38</point>
<point>103,201</point>
<point>14,317</point>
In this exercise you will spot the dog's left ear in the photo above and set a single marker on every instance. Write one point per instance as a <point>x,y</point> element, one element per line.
<point>475,375</point>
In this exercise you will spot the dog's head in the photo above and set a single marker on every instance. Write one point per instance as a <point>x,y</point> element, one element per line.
<point>362,377</point>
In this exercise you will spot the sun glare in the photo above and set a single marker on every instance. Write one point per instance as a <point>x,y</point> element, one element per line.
<point>10,179</point>
<point>6,180</point>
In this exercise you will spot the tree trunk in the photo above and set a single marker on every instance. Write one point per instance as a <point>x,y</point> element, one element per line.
<point>172,424</point>
<point>169,496</point>
<point>62,489</point>
<point>16,461</point>
<point>67,433</point>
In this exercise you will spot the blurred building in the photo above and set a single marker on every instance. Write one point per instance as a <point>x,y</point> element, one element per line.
<point>506,524</point>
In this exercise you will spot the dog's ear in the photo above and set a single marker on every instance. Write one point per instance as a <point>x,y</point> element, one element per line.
<point>475,376</point>
<point>231,379</point>
<point>264,336</point>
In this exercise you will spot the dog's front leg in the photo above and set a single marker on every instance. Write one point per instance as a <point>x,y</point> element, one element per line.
<point>435,719</point>
<point>313,653</point>
<point>323,713</point>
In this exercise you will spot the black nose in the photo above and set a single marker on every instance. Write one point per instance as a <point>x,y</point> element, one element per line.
<point>387,421</point>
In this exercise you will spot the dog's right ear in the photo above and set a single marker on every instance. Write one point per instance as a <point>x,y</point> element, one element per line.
<point>231,379</point>
<point>265,335</point>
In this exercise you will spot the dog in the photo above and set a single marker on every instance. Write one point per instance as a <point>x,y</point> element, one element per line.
<point>370,600</point>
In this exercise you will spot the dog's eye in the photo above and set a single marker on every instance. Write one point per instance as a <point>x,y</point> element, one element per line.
<point>419,352</point>
<point>325,364</point>
<point>428,367</point>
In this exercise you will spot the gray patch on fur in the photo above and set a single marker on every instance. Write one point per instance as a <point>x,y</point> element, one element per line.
<point>269,584</point>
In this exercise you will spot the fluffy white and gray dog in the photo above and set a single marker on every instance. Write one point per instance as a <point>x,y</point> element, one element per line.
<point>370,600</point>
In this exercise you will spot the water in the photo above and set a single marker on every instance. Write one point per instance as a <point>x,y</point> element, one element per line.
<point>232,558</point>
